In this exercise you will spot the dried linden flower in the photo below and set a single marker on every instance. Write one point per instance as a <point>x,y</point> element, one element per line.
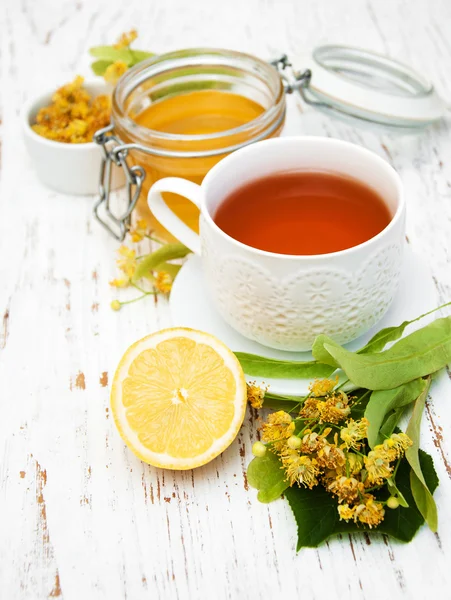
<point>73,117</point>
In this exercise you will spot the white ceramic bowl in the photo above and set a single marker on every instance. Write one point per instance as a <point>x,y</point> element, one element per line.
<point>67,168</point>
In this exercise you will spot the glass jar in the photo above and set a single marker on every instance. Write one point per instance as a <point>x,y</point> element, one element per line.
<point>156,154</point>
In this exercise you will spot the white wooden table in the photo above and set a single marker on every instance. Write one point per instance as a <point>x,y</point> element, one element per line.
<point>80,516</point>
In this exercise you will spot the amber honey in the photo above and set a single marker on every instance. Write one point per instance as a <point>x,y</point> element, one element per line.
<point>198,113</point>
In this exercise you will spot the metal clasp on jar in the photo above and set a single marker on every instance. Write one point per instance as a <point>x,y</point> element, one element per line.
<point>295,81</point>
<point>115,152</point>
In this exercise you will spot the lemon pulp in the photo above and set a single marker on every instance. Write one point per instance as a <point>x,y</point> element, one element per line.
<point>178,398</point>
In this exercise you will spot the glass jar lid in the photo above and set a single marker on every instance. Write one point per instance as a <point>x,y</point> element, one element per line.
<point>369,86</point>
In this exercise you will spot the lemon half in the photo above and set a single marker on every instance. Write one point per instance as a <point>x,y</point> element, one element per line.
<point>178,398</point>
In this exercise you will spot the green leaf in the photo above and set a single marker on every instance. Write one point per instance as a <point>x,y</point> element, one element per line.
<point>384,401</point>
<point>383,337</point>
<point>155,259</point>
<point>423,498</point>
<point>321,354</point>
<point>266,474</point>
<point>260,366</point>
<point>100,66</point>
<point>420,353</point>
<point>316,515</point>
<point>390,423</point>
<point>391,334</point>
<point>315,512</point>
<point>128,56</point>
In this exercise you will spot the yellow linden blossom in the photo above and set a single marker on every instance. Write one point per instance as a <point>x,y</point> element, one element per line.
<point>300,469</point>
<point>312,441</point>
<point>138,232</point>
<point>330,475</point>
<point>331,457</point>
<point>354,463</point>
<point>127,261</point>
<point>397,444</point>
<point>311,408</point>
<point>126,39</point>
<point>347,489</point>
<point>322,387</point>
<point>354,432</point>
<point>388,454</point>
<point>255,395</point>
<point>369,512</point>
<point>119,283</point>
<point>163,282</point>
<point>332,410</point>
<point>115,71</point>
<point>277,429</point>
<point>346,512</point>
<point>377,466</point>
<point>335,409</point>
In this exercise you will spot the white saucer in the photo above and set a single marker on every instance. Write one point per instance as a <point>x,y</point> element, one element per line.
<point>192,307</point>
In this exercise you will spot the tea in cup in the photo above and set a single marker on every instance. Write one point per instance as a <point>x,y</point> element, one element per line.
<point>298,236</point>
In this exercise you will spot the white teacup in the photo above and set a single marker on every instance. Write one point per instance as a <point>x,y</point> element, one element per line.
<point>280,300</point>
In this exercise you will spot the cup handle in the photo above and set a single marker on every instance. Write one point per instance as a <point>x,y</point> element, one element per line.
<point>167,217</point>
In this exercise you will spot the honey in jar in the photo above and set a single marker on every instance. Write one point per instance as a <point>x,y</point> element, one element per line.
<point>197,113</point>
<point>184,111</point>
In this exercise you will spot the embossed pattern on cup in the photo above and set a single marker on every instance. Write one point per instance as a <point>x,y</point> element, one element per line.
<point>288,312</point>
